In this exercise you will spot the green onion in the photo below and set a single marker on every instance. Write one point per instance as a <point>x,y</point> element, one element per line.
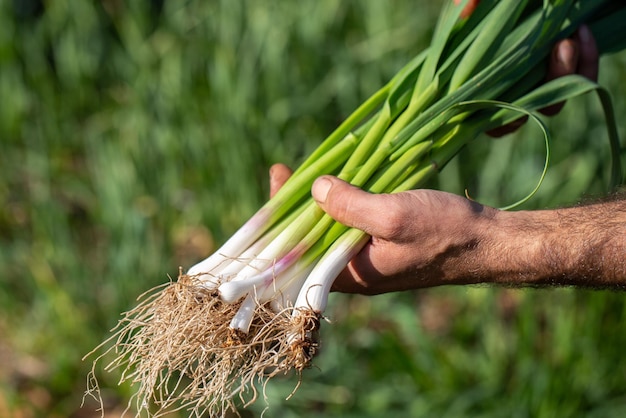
<point>252,310</point>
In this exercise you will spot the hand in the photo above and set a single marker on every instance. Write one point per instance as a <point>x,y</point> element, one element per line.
<point>424,238</point>
<point>576,55</point>
<point>420,238</point>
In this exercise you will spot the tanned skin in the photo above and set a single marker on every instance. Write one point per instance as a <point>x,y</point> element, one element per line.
<point>426,238</point>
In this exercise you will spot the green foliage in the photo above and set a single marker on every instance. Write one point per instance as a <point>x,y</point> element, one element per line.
<point>137,135</point>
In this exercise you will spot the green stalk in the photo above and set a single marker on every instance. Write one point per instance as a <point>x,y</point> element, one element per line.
<point>344,129</point>
<point>284,200</point>
<point>499,22</point>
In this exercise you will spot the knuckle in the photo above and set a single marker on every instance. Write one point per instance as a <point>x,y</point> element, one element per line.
<point>396,217</point>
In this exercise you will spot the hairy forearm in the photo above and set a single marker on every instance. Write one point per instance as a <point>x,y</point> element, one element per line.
<point>581,246</point>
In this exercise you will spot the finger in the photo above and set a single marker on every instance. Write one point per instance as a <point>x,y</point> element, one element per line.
<point>563,61</point>
<point>352,280</point>
<point>352,206</point>
<point>589,57</point>
<point>508,128</point>
<point>469,7</point>
<point>279,173</point>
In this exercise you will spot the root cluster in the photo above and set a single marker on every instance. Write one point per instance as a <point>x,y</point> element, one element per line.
<point>177,349</point>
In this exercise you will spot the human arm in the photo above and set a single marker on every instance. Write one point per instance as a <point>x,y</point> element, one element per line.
<point>425,238</point>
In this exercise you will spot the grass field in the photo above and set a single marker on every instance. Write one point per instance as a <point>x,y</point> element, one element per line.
<point>136,136</point>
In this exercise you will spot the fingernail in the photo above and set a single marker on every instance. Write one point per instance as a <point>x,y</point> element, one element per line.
<point>320,189</point>
<point>565,54</point>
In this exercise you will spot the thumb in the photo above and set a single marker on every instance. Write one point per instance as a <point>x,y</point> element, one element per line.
<point>351,206</point>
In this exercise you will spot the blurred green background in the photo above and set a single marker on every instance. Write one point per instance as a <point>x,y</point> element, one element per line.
<point>136,136</point>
